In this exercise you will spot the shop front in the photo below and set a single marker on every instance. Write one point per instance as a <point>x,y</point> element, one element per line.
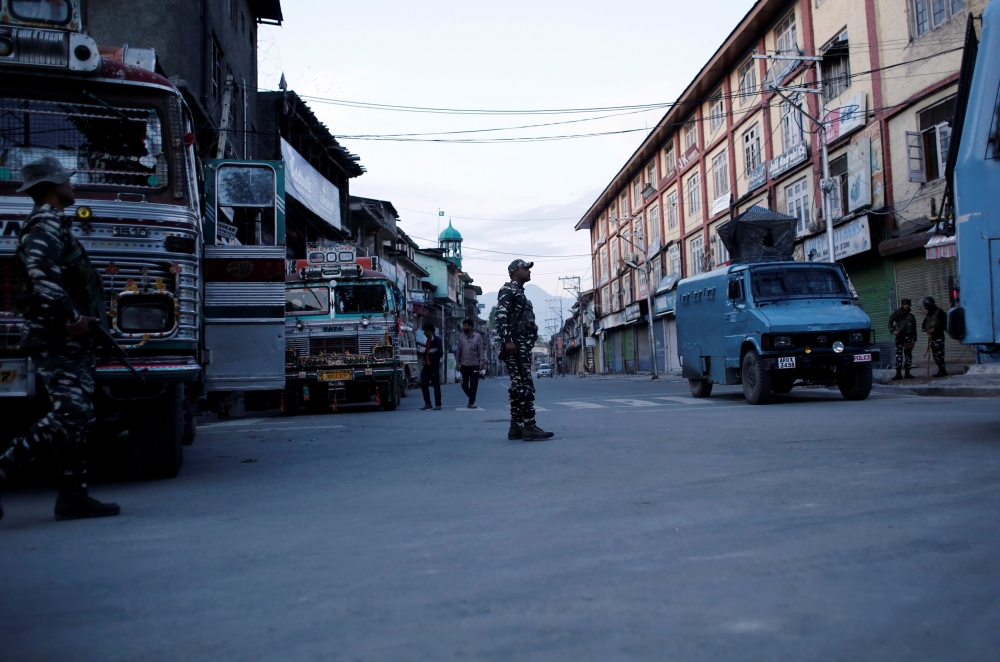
<point>665,325</point>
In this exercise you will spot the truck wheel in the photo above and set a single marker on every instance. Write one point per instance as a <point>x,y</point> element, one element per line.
<point>700,388</point>
<point>384,392</point>
<point>856,382</point>
<point>756,380</point>
<point>160,431</point>
<point>404,384</point>
<point>190,426</point>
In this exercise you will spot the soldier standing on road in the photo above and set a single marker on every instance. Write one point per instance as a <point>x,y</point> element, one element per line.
<point>430,373</point>
<point>515,323</point>
<point>903,325</point>
<point>56,283</point>
<point>935,324</point>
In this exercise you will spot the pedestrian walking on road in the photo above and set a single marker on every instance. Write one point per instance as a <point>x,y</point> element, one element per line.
<point>903,325</point>
<point>471,360</point>
<point>56,283</point>
<point>430,373</point>
<point>935,324</point>
<point>515,322</point>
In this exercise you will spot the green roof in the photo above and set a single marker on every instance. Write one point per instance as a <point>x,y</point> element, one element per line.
<point>450,234</point>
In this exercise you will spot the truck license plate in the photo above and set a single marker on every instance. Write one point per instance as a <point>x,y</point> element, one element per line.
<point>335,375</point>
<point>859,358</point>
<point>786,362</point>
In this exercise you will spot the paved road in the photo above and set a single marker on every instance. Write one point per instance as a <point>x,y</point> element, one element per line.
<point>653,527</point>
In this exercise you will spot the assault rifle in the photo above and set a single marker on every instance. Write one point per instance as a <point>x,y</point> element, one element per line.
<point>97,333</point>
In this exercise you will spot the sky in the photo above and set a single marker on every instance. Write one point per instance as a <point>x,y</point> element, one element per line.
<point>508,199</point>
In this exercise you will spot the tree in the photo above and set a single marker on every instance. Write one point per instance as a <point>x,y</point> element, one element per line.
<point>492,324</point>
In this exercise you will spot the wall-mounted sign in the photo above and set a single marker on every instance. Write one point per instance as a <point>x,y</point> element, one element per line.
<point>788,160</point>
<point>848,239</point>
<point>847,118</point>
<point>720,205</point>
<point>632,312</point>
<point>664,303</point>
<point>304,183</point>
<point>859,174</point>
<point>687,157</point>
<point>757,177</point>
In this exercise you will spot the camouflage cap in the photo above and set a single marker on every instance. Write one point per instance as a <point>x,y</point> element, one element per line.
<point>46,169</point>
<point>904,302</point>
<point>517,264</point>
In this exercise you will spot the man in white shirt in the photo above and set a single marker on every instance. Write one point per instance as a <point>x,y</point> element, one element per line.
<point>471,360</point>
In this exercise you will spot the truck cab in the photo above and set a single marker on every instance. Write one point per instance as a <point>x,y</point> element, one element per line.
<point>771,326</point>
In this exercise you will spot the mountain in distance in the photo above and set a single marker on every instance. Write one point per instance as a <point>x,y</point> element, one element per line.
<point>538,298</point>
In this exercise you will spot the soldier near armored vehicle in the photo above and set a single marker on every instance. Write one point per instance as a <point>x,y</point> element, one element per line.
<point>903,325</point>
<point>60,295</point>
<point>935,324</point>
<point>515,323</point>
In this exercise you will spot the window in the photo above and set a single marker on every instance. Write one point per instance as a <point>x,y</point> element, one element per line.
<point>638,236</point>
<point>636,193</point>
<point>616,295</point>
<point>355,299</point>
<point>721,254</point>
<point>605,299</point>
<point>720,174</point>
<point>792,131</point>
<point>797,199</point>
<point>668,159</point>
<point>751,148</point>
<point>781,282</point>
<point>217,79</point>
<point>931,14</point>
<point>612,215</point>
<point>694,194</point>
<point>748,81</point>
<point>653,214</point>
<point>307,301</point>
<point>697,255</point>
<point>671,210</point>
<point>656,271</point>
<point>602,264</point>
<point>651,173</point>
<point>627,288</point>
<point>690,136</point>
<point>716,111</point>
<point>785,40</point>
<point>674,253</point>
<point>55,12</point>
<point>836,67</point>
<point>838,173</point>
<point>927,150</point>
<point>623,205</point>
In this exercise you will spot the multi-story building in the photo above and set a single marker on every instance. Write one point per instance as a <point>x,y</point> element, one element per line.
<point>881,75</point>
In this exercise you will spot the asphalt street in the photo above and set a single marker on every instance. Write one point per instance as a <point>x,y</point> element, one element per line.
<point>652,527</point>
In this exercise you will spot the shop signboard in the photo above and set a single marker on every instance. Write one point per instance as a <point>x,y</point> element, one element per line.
<point>849,239</point>
<point>664,303</point>
<point>859,174</point>
<point>847,118</point>
<point>632,312</point>
<point>305,184</point>
<point>757,177</point>
<point>788,160</point>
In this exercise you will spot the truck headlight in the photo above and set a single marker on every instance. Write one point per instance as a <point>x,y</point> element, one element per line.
<point>838,347</point>
<point>145,314</point>
<point>782,341</point>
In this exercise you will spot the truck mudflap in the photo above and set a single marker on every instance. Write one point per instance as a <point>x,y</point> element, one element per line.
<point>805,361</point>
<point>155,369</point>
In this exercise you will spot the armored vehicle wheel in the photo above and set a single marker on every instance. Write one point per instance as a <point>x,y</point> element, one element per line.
<point>159,429</point>
<point>389,395</point>
<point>856,382</point>
<point>756,380</point>
<point>700,388</point>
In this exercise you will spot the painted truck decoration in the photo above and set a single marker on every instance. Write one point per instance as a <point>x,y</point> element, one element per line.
<point>344,332</point>
<point>773,323</point>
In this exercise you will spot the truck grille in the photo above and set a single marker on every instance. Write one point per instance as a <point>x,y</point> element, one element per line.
<point>341,344</point>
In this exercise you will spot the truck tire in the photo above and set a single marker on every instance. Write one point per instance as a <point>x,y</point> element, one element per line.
<point>700,388</point>
<point>856,382</point>
<point>384,393</point>
<point>404,384</point>
<point>160,432</point>
<point>756,380</point>
<point>190,426</point>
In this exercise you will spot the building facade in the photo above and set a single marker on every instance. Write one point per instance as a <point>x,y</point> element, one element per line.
<point>873,79</point>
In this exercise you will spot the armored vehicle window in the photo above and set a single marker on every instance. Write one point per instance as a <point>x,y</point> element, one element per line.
<point>780,283</point>
<point>119,147</point>
<point>361,299</point>
<point>735,289</point>
<point>45,11</point>
<point>307,301</point>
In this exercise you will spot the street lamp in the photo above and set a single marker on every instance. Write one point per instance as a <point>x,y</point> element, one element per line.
<point>649,291</point>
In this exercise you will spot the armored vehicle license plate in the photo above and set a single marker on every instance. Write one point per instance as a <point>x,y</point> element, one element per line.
<point>858,358</point>
<point>14,378</point>
<point>335,375</point>
<point>786,362</point>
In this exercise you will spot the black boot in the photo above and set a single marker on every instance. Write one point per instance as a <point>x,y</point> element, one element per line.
<point>941,372</point>
<point>532,432</point>
<point>515,431</point>
<point>899,375</point>
<point>75,504</point>
<point>908,375</point>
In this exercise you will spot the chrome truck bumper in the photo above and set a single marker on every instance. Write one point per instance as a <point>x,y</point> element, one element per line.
<point>157,369</point>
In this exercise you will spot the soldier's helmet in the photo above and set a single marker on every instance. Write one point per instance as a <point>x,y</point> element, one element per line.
<point>46,169</point>
<point>927,302</point>
<point>517,264</point>
<point>904,302</point>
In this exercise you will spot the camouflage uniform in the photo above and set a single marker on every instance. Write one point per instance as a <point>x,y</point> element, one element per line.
<point>54,275</point>
<point>515,322</point>
<point>936,322</point>
<point>903,321</point>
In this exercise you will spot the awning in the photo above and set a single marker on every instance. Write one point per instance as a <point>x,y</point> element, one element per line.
<point>305,184</point>
<point>940,246</point>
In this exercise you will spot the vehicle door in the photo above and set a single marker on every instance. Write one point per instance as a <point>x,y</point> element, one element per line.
<point>734,319</point>
<point>244,275</point>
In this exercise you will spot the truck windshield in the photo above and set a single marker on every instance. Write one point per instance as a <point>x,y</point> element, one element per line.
<point>307,301</point>
<point>781,282</point>
<point>361,299</point>
<point>121,147</point>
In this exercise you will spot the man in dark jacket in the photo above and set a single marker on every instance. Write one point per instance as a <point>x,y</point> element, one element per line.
<point>430,373</point>
<point>935,324</point>
<point>60,295</point>
<point>903,325</point>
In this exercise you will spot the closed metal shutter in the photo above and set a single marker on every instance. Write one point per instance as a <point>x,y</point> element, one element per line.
<point>617,340</point>
<point>642,348</point>
<point>918,277</point>
<point>873,278</point>
<point>628,340</point>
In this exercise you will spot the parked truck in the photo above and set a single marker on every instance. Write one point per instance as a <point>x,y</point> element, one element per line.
<point>344,333</point>
<point>771,323</point>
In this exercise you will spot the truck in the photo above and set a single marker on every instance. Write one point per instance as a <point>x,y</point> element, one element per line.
<point>771,323</point>
<point>344,333</point>
<point>973,176</point>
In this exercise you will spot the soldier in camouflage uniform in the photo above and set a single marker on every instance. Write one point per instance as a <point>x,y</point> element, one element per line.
<point>935,324</point>
<point>60,296</point>
<point>903,325</point>
<point>515,323</point>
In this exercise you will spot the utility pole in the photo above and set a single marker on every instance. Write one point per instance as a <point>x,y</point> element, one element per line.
<point>572,285</point>
<point>644,269</point>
